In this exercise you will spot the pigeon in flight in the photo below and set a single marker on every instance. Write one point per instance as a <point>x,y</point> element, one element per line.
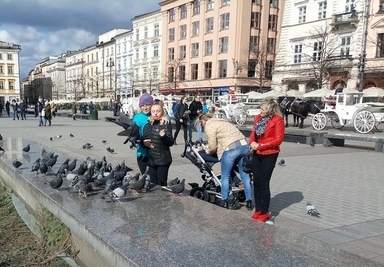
<point>16,164</point>
<point>311,210</point>
<point>2,149</point>
<point>282,162</point>
<point>27,148</point>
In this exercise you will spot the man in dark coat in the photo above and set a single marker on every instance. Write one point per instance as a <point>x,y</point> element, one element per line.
<point>196,108</point>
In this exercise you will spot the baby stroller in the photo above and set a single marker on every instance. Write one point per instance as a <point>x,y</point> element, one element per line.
<point>210,191</point>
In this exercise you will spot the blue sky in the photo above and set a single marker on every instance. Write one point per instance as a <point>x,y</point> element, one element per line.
<point>49,27</point>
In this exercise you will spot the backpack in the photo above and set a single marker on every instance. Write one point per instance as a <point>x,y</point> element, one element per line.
<point>175,108</point>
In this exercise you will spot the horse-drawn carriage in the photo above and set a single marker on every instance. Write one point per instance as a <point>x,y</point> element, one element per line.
<point>348,109</point>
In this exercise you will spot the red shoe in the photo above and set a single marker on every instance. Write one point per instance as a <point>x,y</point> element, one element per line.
<point>264,217</point>
<point>256,215</point>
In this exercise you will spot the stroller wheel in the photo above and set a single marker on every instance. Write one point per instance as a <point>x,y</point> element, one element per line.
<point>197,192</point>
<point>209,197</point>
<point>241,196</point>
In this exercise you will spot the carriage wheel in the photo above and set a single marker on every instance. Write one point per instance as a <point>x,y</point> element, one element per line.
<point>379,125</point>
<point>364,121</point>
<point>319,121</point>
<point>335,121</point>
<point>240,116</point>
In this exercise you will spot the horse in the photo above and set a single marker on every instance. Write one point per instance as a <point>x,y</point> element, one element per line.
<point>298,108</point>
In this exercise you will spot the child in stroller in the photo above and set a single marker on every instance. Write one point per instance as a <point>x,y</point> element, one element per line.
<point>209,166</point>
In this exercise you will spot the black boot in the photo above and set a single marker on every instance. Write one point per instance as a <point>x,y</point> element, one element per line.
<point>249,205</point>
<point>224,204</point>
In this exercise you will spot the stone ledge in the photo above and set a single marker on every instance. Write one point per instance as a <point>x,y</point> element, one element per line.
<point>339,140</point>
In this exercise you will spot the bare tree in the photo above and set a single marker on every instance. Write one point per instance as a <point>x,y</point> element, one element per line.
<point>175,73</point>
<point>261,63</point>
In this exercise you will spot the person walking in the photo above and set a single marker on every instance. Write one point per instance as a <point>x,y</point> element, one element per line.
<point>195,108</point>
<point>23,109</point>
<point>15,108</point>
<point>265,139</point>
<point>231,146</point>
<point>181,119</point>
<point>39,113</point>
<point>74,110</point>
<point>47,114</point>
<point>53,109</point>
<point>157,137</point>
<point>1,109</point>
<point>7,108</point>
<point>91,107</point>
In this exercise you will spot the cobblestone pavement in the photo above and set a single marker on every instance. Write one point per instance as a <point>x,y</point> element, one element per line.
<point>344,183</point>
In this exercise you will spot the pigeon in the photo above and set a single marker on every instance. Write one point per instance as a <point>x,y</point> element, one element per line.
<point>177,188</point>
<point>87,146</point>
<point>2,149</point>
<point>50,138</point>
<point>43,168</point>
<point>271,220</point>
<point>119,192</point>
<point>311,210</point>
<point>16,163</point>
<point>71,135</point>
<point>72,165</point>
<point>52,161</point>
<point>328,144</point>
<point>110,150</point>
<point>44,153</point>
<point>173,181</point>
<point>282,162</point>
<point>194,185</point>
<point>56,182</point>
<point>27,148</point>
<point>36,166</point>
<point>104,141</point>
<point>63,167</point>
<point>140,183</point>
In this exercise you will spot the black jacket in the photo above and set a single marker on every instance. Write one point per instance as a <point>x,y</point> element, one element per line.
<point>182,112</point>
<point>160,155</point>
<point>194,107</point>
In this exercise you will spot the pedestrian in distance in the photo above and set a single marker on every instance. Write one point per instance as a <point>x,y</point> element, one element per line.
<point>265,139</point>
<point>39,113</point>
<point>7,108</point>
<point>195,108</point>
<point>1,109</point>
<point>23,109</point>
<point>47,114</point>
<point>74,110</point>
<point>181,118</point>
<point>15,108</point>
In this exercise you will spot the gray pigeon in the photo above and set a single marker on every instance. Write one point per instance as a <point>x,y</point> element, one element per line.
<point>139,184</point>
<point>177,188</point>
<point>72,165</point>
<point>63,167</point>
<point>282,163</point>
<point>311,210</point>
<point>27,148</point>
<point>173,181</point>
<point>312,141</point>
<point>43,168</point>
<point>16,163</point>
<point>56,182</point>
<point>36,166</point>
<point>71,135</point>
<point>119,192</point>
<point>52,161</point>
<point>44,153</point>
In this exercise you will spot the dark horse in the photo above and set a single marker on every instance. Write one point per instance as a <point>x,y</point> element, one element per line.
<point>298,108</point>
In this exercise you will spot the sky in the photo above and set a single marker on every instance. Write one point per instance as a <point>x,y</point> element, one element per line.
<point>46,28</point>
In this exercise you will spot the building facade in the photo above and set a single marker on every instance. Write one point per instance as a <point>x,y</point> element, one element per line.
<point>9,72</point>
<point>124,69</point>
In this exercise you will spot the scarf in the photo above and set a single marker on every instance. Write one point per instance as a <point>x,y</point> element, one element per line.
<point>261,125</point>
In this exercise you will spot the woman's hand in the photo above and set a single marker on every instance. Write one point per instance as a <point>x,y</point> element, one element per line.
<point>148,143</point>
<point>162,132</point>
<point>254,145</point>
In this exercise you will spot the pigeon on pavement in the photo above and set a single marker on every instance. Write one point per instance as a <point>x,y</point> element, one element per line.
<point>177,188</point>
<point>16,163</point>
<point>311,210</point>
<point>87,146</point>
<point>312,141</point>
<point>71,135</point>
<point>119,192</point>
<point>1,137</point>
<point>104,141</point>
<point>282,163</point>
<point>72,165</point>
<point>43,168</point>
<point>56,182</point>
<point>36,166</point>
<point>173,181</point>
<point>27,148</point>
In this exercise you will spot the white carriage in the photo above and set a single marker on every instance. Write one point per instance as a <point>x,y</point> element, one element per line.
<point>235,107</point>
<point>348,109</point>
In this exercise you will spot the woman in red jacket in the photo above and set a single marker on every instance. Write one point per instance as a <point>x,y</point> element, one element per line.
<point>266,138</point>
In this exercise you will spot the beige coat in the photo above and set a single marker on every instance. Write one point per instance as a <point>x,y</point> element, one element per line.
<point>220,134</point>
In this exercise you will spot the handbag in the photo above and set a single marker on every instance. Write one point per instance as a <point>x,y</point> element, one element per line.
<point>247,161</point>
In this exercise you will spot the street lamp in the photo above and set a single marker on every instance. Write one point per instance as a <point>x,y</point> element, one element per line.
<point>110,64</point>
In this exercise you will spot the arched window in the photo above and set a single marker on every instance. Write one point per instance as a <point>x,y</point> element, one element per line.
<point>311,86</point>
<point>338,84</point>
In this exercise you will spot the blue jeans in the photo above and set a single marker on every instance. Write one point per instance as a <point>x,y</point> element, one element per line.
<point>191,125</point>
<point>15,114</point>
<point>230,159</point>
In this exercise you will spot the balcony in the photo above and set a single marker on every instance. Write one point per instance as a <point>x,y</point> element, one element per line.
<point>349,19</point>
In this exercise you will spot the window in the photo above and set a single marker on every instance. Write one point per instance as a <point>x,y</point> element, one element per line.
<point>252,64</point>
<point>209,25</point>
<point>297,53</point>
<point>256,2</point>
<point>222,68</point>
<point>11,85</point>
<point>156,29</point>
<point>171,35</point>
<point>225,2</point>
<point>145,32</point>
<point>345,46</point>
<point>194,71</point>
<point>268,69</point>
<point>271,43</point>
<point>208,47</point>
<point>9,56</point>
<point>210,4</point>
<point>195,28</point>
<point>171,54</point>
<point>255,20</point>
<point>196,7</point>
<point>322,10</point>
<point>224,21</point>
<point>381,8</point>
<point>171,73</point>
<point>254,44</point>
<point>208,70</point>
<point>223,45</point>
<point>1,84</point>
<point>156,50</point>
<point>1,69</point>
<point>155,73</point>
<point>195,49</point>
<point>380,45</point>
<point>317,51</point>
<point>349,5</point>
<point>302,14</point>
<point>171,15</point>
<point>183,31</point>
<point>182,73</point>
<point>272,22</point>
<point>145,52</point>
<point>145,74</point>
<point>273,3</point>
<point>137,35</point>
<point>183,11</point>
<point>183,51</point>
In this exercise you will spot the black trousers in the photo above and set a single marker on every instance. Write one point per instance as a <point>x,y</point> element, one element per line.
<point>178,127</point>
<point>159,174</point>
<point>142,162</point>
<point>262,168</point>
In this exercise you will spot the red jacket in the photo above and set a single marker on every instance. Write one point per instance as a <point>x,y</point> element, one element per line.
<point>270,141</point>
